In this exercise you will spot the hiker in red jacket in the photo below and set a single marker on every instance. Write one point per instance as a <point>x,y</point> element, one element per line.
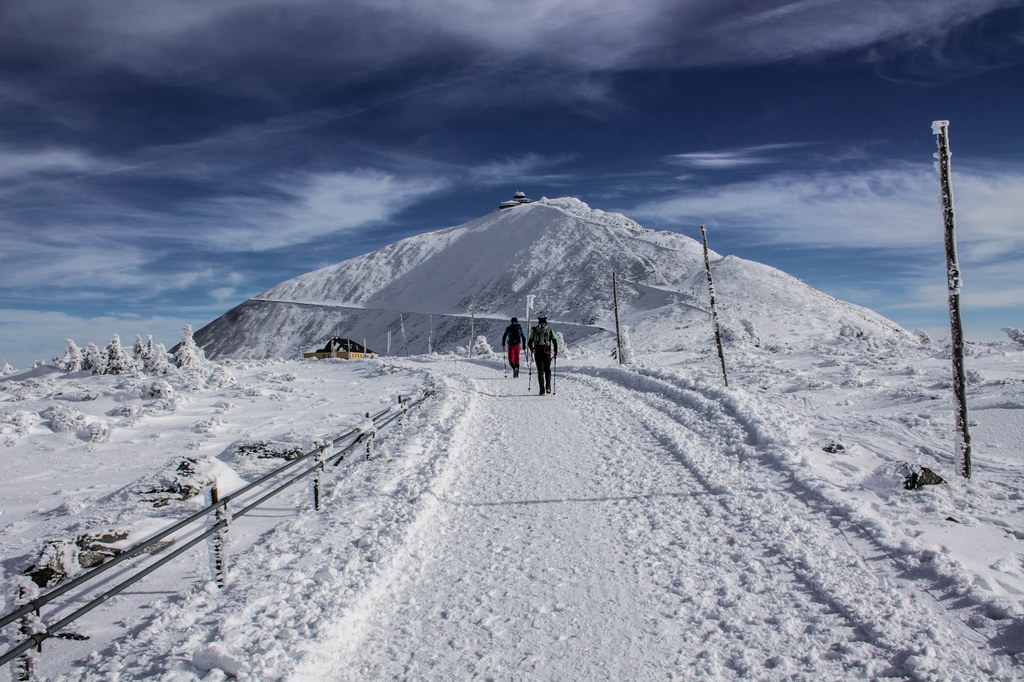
<point>516,338</point>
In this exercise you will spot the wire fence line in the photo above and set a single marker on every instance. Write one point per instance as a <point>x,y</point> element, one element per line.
<point>327,452</point>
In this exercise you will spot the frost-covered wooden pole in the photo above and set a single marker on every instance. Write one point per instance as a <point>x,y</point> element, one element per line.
<point>405,341</point>
<point>714,309</point>
<point>472,324</point>
<point>953,282</point>
<point>618,335</point>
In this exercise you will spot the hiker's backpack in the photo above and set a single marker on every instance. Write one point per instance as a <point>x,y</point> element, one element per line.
<point>542,335</point>
<point>515,334</point>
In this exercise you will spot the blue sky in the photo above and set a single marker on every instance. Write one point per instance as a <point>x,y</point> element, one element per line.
<point>162,161</point>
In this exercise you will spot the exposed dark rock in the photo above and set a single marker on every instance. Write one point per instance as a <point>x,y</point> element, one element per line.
<point>917,479</point>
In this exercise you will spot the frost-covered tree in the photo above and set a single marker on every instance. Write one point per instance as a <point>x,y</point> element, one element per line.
<point>188,353</point>
<point>159,361</point>
<point>1015,335</point>
<point>71,361</point>
<point>139,351</point>
<point>94,359</point>
<point>6,369</point>
<point>118,361</point>
<point>481,347</point>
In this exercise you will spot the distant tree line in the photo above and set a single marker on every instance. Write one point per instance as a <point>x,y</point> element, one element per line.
<point>146,356</point>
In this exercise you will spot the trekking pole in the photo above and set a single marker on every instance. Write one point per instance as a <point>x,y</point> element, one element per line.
<point>505,361</point>
<point>529,367</point>
<point>554,373</point>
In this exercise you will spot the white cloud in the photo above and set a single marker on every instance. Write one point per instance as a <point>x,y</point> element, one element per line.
<point>200,41</point>
<point>896,207</point>
<point>312,207</point>
<point>893,211</point>
<point>17,164</point>
<point>523,168</point>
<point>725,159</point>
<point>78,264</point>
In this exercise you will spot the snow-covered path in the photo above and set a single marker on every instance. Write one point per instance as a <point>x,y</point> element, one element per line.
<point>628,528</point>
<point>639,524</point>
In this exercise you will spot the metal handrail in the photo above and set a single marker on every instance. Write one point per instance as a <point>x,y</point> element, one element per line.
<point>34,605</point>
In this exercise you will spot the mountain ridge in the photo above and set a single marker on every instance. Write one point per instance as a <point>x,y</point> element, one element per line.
<point>563,253</point>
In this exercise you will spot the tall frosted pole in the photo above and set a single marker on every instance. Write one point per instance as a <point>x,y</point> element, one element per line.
<point>529,367</point>
<point>405,341</point>
<point>618,336</point>
<point>472,324</point>
<point>430,334</point>
<point>953,282</point>
<point>714,308</point>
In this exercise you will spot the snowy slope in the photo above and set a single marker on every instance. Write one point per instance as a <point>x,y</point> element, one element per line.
<point>559,250</point>
<point>642,522</point>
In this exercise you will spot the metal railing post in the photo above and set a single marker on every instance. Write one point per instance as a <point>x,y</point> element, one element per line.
<point>321,463</point>
<point>219,515</point>
<point>24,667</point>
<point>369,440</point>
<point>217,543</point>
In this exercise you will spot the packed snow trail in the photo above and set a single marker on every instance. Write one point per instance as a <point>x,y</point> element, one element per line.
<point>618,529</point>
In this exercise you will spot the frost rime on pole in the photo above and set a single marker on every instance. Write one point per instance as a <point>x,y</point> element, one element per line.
<point>618,332</point>
<point>714,309</point>
<point>954,283</point>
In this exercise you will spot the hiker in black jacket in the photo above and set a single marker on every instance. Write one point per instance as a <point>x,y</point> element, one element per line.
<point>544,346</point>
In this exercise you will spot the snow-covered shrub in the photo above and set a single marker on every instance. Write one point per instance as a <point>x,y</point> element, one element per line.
<point>208,427</point>
<point>848,331</point>
<point>481,347</point>
<point>628,354</point>
<point>118,361</point>
<point>158,389</point>
<point>124,410</point>
<point>71,361</point>
<point>1015,335</point>
<point>63,418</point>
<point>94,359</point>
<point>17,424</point>
<point>98,432</point>
<point>6,369</point>
<point>563,348</point>
<point>221,377</point>
<point>82,396</point>
<point>188,353</point>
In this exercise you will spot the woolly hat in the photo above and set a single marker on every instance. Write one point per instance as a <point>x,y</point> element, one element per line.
<point>515,320</point>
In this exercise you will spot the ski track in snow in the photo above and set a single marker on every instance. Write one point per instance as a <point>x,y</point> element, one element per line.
<point>634,525</point>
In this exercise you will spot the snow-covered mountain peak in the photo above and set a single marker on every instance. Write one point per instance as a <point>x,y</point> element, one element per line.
<point>563,253</point>
<point>579,209</point>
